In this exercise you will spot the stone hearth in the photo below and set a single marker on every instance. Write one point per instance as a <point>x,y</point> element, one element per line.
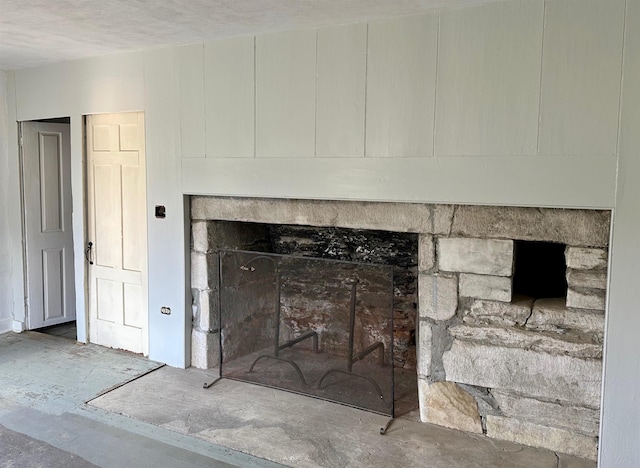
<point>489,361</point>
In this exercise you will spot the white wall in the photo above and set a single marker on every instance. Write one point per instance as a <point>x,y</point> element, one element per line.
<point>492,104</point>
<point>6,271</point>
<point>120,83</point>
<point>510,103</point>
<point>620,430</point>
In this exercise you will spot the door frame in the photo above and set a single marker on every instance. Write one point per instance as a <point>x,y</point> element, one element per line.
<point>27,325</point>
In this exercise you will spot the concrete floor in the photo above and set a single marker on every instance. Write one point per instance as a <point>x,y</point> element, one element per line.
<point>164,417</point>
<point>65,330</point>
<point>44,421</point>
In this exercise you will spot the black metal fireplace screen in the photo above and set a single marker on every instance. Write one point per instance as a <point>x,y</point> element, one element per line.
<point>317,327</point>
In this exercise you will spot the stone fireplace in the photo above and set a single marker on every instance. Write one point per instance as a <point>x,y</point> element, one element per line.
<point>505,332</point>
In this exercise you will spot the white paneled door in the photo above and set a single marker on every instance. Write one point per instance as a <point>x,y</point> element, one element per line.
<point>47,216</point>
<point>116,242</point>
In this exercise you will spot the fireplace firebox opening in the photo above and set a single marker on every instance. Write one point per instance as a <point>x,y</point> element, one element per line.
<point>491,356</point>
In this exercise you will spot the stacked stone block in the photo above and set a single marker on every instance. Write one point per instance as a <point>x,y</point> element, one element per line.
<point>586,278</point>
<point>530,368</point>
<point>204,285</point>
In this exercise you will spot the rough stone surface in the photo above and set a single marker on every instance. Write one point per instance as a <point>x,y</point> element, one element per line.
<point>496,288</point>
<point>482,256</point>
<point>206,302</point>
<point>573,418</point>
<point>486,403</point>
<point>357,245</point>
<point>541,375</point>
<point>483,312</point>
<point>424,348</point>
<point>528,433</point>
<point>553,315</point>
<point>441,219</point>
<point>199,236</point>
<point>401,217</point>
<point>446,404</point>
<point>585,259</point>
<point>204,349</point>
<point>441,340</point>
<point>426,252</point>
<point>589,228</point>
<point>294,430</point>
<point>233,235</point>
<point>423,393</point>
<point>438,296</point>
<point>199,271</point>
<point>593,299</point>
<point>594,279</point>
<point>550,343</point>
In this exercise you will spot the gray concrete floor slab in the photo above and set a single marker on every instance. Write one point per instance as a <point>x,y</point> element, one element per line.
<point>140,414</point>
<point>21,451</point>
<point>299,431</point>
<point>44,421</point>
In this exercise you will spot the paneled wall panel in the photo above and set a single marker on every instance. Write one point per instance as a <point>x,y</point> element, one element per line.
<point>620,431</point>
<point>230,97</point>
<point>401,74</point>
<point>483,180</point>
<point>581,72</point>
<point>191,85</point>
<point>489,79</point>
<point>286,94</point>
<point>342,62</point>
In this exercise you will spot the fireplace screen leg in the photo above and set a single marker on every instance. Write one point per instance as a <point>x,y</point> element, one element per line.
<point>383,430</point>
<point>277,347</point>
<point>351,357</point>
<point>212,383</point>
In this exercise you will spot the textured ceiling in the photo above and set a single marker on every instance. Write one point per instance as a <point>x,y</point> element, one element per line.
<point>37,32</point>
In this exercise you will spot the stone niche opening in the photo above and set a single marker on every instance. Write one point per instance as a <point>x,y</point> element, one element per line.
<point>539,269</point>
<point>517,364</point>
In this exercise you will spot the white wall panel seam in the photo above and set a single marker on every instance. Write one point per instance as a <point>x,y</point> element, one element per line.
<point>178,75</point>
<point>255,97</point>
<point>315,114</point>
<point>366,91</point>
<point>544,18</point>
<point>204,103</point>
<point>624,40</point>
<point>435,89</point>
